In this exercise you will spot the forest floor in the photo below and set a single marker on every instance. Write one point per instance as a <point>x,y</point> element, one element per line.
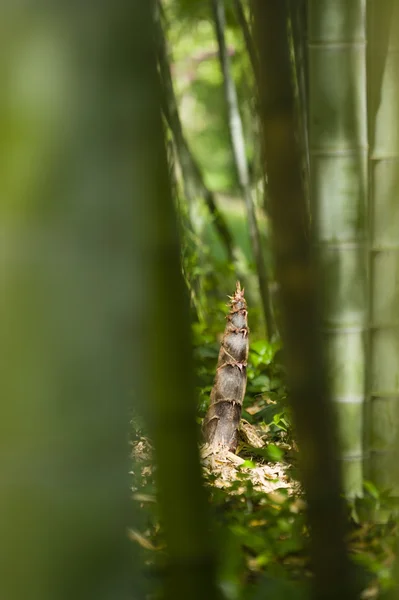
<point>262,516</point>
<point>257,501</point>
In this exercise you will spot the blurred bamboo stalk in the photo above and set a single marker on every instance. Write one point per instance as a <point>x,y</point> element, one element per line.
<point>298,29</point>
<point>309,395</point>
<point>338,141</point>
<point>67,145</point>
<point>164,377</point>
<point>383,380</point>
<point>249,42</point>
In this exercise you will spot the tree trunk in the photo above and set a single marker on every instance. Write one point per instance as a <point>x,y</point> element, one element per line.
<point>238,146</point>
<point>338,151</point>
<point>222,421</point>
<point>164,376</point>
<point>383,380</point>
<point>312,409</point>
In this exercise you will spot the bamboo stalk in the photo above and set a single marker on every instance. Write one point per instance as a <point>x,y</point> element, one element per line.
<point>66,188</point>
<point>338,154</point>
<point>298,21</point>
<point>383,381</point>
<point>249,43</point>
<point>312,409</point>
<point>164,374</point>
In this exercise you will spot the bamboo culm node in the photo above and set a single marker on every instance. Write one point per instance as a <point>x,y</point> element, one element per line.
<point>221,424</point>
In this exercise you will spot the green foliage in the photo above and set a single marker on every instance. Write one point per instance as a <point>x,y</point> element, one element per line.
<point>263,538</point>
<point>267,392</point>
<point>267,533</point>
<point>199,85</point>
<point>188,12</point>
<point>374,535</point>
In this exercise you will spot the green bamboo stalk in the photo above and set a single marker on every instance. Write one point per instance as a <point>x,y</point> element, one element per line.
<point>296,273</point>
<point>338,153</point>
<point>298,21</point>
<point>383,381</point>
<point>246,31</point>
<point>66,188</point>
<point>164,375</point>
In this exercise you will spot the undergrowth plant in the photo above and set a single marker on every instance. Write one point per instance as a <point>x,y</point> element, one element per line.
<point>262,537</point>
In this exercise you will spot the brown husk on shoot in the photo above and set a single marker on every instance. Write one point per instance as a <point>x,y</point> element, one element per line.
<point>221,424</point>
